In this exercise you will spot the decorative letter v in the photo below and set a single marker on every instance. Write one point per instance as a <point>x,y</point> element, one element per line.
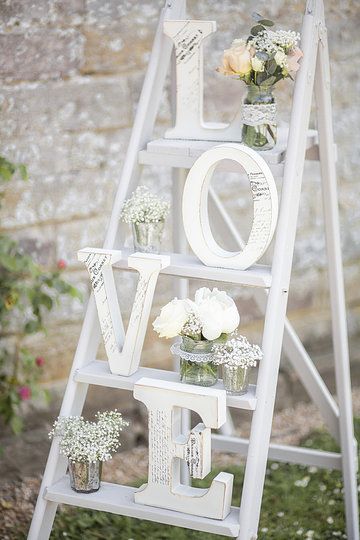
<point>123,354</point>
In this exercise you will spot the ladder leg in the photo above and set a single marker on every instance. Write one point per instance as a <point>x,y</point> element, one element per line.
<point>281,270</point>
<point>73,403</point>
<point>336,282</point>
<point>292,346</point>
<point>90,335</point>
<point>181,288</point>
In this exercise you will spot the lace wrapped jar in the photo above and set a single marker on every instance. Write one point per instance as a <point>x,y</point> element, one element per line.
<point>196,361</point>
<point>259,118</point>
<point>147,236</point>
<point>85,476</point>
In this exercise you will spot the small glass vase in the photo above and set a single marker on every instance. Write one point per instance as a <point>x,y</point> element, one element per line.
<point>196,361</point>
<point>85,477</point>
<point>147,236</point>
<point>235,379</point>
<point>259,118</point>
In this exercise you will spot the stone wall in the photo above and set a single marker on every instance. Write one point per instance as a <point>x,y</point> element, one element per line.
<point>72,73</point>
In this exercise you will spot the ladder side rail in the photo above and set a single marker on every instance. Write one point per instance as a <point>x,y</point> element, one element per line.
<point>281,271</point>
<point>181,290</point>
<point>292,346</point>
<point>75,393</point>
<point>336,283</point>
<point>181,285</point>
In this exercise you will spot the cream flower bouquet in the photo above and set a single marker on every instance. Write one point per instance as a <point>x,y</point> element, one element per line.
<point>261,60</point>
<point>201,322</point>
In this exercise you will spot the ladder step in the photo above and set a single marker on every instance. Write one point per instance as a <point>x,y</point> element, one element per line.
<point>98,373</point>
<point>183,153</point>
<point>190,266</point>
<point>119,499</point>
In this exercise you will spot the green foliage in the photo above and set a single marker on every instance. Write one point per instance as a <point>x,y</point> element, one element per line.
<point>298,502</point>
<point>27,293</point>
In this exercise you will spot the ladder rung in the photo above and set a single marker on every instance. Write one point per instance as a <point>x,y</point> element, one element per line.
<point>98,373</point>
<point>280,452</point>
<point>119,499</point>
<point>183,153</point>
<point>190,266</point>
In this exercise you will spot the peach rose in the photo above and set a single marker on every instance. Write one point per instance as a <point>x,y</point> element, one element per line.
<point>292,61</point>
<point>236,60</point>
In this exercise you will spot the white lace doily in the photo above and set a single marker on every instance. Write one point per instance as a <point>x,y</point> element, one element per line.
<point>198,358</point>
<point>255,115</point>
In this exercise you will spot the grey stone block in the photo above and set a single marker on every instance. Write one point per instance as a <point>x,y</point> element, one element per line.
<point>40,53</point>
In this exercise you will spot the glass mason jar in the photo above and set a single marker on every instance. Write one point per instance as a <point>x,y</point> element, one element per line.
<point>259,118</point>
<point>235,379</point>
<point>196,361</point>
<point>147,236</point>
<point>85,476</point>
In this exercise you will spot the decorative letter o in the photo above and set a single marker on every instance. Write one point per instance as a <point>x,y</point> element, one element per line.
<point>195,209</point>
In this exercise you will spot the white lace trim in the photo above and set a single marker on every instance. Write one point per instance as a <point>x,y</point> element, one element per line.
<point>198,358</point>
<point>255,115</point>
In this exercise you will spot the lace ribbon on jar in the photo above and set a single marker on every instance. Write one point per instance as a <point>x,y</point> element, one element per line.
<point>256,115</point>
<point>198,358</point>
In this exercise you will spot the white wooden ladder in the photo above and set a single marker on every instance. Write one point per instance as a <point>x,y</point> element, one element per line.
<point>270,286</point>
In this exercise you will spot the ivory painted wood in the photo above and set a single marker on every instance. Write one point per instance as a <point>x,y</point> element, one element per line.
<point>119,499</point>
<point>280,452</point>
<point>188,37</point>
<point>195,207</point>
<point>189,266</point>
<point>123,354</point>
<point>98,373</point>
<point>164,401</point>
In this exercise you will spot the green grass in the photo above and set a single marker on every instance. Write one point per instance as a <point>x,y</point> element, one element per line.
<point>298,502</point>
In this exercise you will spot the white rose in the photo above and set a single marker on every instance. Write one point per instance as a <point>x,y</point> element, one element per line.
<point>257,64</point>
<point>172,318</point>
<point>217,312</point>
<point>280,58</point>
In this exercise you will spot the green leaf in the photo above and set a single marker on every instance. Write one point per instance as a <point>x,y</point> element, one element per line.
<point>256,30</point>
<point>23,171</point>
<point>271,67</point>
<point>266,22</point>
<point>32,326</point>
<point>16,424</point>
<point>5,173</point>
<point>45,300</point>
<point>269,81</point>
<point>262,55</point>
<point>9,263</point>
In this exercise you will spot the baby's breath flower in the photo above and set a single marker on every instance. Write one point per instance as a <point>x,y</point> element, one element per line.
<point>192,328</point>
<point>271,41</point>
<point>284,39</point>
<point>84,441</point>
<point>237,352</point>
<point>144,207</point>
